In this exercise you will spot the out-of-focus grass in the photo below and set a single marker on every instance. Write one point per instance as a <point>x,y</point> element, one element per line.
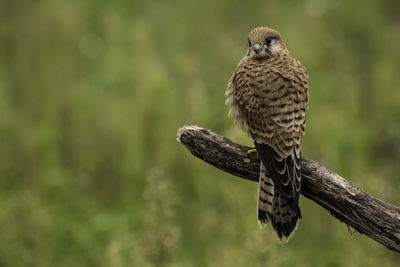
<point>91,96</point>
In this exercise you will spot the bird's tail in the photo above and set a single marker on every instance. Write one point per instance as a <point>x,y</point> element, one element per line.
<point>275,207</point>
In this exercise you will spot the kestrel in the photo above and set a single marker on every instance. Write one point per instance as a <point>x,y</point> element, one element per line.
<point>268,97</point>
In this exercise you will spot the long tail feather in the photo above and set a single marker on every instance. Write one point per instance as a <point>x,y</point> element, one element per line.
<point>277,208</point>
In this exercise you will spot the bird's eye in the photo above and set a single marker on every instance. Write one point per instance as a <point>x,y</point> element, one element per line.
<point>249,42</point>
<point>268,40</point>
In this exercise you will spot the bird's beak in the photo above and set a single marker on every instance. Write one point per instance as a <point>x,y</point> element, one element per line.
<point>257,48</point>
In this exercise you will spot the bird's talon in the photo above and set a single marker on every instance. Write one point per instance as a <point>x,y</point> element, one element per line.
<point>251,151</point>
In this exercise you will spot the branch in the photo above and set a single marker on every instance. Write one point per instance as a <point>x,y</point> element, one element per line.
<point>348,203</point>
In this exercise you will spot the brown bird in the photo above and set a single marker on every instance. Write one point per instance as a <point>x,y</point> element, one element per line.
<point>268,97</point>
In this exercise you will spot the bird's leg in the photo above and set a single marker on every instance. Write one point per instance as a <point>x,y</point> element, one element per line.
<point>252,150</point>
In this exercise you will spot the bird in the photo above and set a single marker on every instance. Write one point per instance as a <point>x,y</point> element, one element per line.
<point>268,97</point>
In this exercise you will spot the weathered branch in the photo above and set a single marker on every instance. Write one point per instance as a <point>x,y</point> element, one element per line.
<point>348,203</point>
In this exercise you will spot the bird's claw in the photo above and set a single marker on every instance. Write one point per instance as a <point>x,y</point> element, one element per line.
<point>251,151</point>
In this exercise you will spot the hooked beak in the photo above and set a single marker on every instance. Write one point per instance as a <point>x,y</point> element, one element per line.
<point>257,48</point>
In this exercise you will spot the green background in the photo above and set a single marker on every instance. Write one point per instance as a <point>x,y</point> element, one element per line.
<point>93,92</point>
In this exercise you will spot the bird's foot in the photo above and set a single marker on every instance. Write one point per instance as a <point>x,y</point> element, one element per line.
<point>251,151</point>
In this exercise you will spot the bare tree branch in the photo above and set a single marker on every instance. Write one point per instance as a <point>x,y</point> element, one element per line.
<point>348,203</point>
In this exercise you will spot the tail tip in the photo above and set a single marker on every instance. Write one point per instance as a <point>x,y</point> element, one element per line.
<point>262,218</point>
<point>286,230</point>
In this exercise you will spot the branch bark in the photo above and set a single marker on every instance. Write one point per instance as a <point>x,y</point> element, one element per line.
<point>366,214</point>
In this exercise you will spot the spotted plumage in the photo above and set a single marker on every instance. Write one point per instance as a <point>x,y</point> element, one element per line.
<point>268,98</point>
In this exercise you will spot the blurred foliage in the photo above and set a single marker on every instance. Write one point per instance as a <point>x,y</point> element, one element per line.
<point>93,92</point>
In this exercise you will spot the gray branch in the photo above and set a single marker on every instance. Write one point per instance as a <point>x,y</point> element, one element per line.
<point>345,201</point>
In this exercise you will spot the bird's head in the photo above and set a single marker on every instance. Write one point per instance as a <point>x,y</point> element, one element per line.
<point>264,43</point>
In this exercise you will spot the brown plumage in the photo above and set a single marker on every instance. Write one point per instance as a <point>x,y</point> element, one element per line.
<point>268,97</point>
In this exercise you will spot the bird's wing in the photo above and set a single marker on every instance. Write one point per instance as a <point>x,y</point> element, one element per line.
<point>272,98</point>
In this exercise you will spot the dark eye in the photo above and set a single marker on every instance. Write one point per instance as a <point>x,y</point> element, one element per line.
<point>249,42</point>
<point>268,41</point>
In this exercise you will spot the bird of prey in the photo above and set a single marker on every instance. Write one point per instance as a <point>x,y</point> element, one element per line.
<point>268,97</point>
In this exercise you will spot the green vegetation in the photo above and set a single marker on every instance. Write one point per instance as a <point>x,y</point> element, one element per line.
<point>93,92</point>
